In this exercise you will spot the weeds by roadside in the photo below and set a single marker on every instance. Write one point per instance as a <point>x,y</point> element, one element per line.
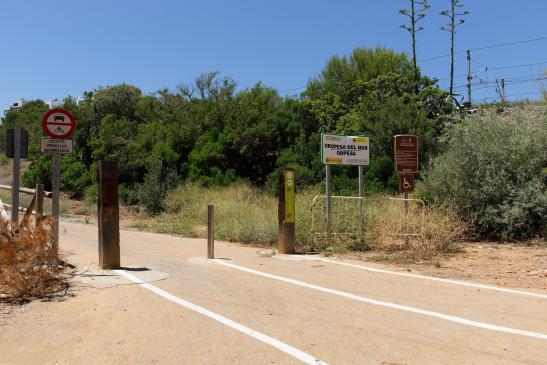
<point>247,215</point>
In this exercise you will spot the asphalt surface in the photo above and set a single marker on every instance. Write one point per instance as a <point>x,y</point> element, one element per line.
<point>172,305</point>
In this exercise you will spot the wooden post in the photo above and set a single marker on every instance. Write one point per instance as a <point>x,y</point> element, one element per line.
<point>108,211</point>
<point>39,203</point>
<point>286,212</point>
<point>16,172</point>
<point>211,231</point>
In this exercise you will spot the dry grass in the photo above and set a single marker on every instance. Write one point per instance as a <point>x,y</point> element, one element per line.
<point>422,233</point>
<point>247,215</point>
<point>29,267</point>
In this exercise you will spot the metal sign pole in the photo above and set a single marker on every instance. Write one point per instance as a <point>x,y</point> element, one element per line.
<point>406,204</point>
<point>362,196</point>
<point>329,193</point>
<point>16,171</point>
<point>210,231</point>
<point>55,200</point>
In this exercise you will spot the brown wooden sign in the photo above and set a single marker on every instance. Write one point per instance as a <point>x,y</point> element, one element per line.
<point>406,153</point>
<point>406,183</point>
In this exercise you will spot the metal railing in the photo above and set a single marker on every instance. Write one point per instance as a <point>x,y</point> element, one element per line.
<point>353,219</point>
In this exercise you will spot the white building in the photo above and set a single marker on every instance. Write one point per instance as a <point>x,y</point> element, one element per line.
<point>15,105</point>
<point>55,103</point>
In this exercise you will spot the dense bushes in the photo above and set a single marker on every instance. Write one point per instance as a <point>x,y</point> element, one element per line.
<point>213,134</point>
<point>492,170</point>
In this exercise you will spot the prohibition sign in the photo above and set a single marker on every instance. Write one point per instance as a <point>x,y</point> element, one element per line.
<point>59,123</point>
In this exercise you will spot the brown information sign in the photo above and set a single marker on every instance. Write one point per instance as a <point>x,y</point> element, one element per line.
<point>406,183</point>
<point>406,153</point>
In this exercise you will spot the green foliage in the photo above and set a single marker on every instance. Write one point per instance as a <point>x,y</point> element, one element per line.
<point>39,172</point>
<point>362,64</point>
<point>157,182</point>
<point>75,176</point>
<point>492,170</point>
<point>121,101</point>
<point>211,134</point>
<point>27,117</point>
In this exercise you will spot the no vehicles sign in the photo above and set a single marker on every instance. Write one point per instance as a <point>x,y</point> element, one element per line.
<point>60,146</point>
<point>59,123</point>
<point>344,150</point>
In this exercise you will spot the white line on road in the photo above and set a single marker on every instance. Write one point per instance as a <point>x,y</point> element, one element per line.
<point>424,277</point>
<point>405,308</point>
<point>294,352</point>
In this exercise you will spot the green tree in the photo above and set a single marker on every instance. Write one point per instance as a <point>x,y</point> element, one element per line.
<point>362,64</point>
<point>28,117</point>
<point>120,101</point>
<point>116,140</point>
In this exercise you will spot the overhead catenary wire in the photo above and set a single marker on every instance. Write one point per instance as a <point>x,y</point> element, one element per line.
<point>486,47</point>
<point>538,92</point>
<point>483,84</point>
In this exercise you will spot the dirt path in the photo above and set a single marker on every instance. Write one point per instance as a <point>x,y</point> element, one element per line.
<point>338,314</point>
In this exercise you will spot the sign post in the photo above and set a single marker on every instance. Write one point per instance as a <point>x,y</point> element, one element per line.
<point>16,148</point>
<point>344,150</point>
<point>362,196</point>
<point>405,147</point>
<point>58,124</point>
<point>108,211</point>
<point>16,172</point>
<point>286,212</point>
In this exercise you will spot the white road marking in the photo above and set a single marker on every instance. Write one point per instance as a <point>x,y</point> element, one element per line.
<point>405,308</point>
<point>292,351</point>
<point>424,277</point>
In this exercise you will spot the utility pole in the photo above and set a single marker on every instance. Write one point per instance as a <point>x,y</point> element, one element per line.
<point>500,89</point>
<point>469,78</point>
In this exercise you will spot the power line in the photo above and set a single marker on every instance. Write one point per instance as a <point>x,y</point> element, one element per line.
<point>498,68</point>
<point>508,96</point>
<point>507,79</point>
<point>510,43</point>
<point>517,66</point>
<point>486,47</point>
<point>293,89</point>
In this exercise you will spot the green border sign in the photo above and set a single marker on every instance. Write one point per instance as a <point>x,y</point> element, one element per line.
<point>344,150</point>
<point>289,197</point>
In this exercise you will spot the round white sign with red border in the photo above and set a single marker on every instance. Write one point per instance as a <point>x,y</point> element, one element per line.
<point>59,123</point>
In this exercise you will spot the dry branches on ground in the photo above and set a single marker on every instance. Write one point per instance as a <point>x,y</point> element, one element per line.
<point>29,266</point>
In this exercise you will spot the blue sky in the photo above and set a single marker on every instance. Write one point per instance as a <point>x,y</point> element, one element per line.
<point>51,49</point>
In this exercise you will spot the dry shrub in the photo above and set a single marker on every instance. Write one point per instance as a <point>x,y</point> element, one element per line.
<point>29,267</point>
<point>426,231</point>
<point>247,215</point>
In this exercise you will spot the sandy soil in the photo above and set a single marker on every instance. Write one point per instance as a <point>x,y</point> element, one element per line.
<point>503,264</point>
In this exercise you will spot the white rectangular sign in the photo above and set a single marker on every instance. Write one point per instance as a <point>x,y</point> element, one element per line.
<point>344,150</point>
<point>52,145</point>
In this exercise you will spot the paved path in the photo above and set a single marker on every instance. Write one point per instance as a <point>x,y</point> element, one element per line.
<point>248,309</point>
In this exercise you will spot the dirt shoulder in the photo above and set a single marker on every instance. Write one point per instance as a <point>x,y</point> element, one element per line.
<point>502,264</point>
